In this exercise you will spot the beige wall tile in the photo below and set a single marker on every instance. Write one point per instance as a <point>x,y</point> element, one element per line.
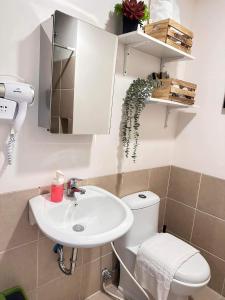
<point>212,196</point>
<point>90,279</point>
<point>41,235</point>
<point>179,219</point>
<point>133,182</point>
<point>82,182</point>
<point>19,267</point>
<point>14,224</point>
<point>47,262</point>
<point>162,211</point>
<point>159,181</point>
<point>44,189</point>
<point>106,249</point>
<point>110,183</point>
<point>90,254</point>
<point>184,186</point>
<point>67,287</point>
<point>223,293</point>
<point>209,233</point>
<point>32,295</point>
<point>48,268</point>
<point>99,296</point>
<point>217,268</point>
<point>206,294</point>
<point>109,261</point>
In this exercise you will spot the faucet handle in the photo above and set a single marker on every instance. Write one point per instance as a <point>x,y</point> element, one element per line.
<point>72,182</point>
<point>72,187</point>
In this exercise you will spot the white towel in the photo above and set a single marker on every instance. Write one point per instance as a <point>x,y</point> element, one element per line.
<point>157,261</point>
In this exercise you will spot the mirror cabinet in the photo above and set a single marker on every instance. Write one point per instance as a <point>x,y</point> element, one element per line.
<point>77,69</point>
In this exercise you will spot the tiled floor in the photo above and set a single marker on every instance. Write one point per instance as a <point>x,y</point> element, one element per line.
<point>99,296</point>
<point>205,294</point>
<point>111,288</point>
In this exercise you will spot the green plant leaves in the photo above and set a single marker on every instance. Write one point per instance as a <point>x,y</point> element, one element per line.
<point>118,8</point>
<point>134,103</point>
<point>133,10</point>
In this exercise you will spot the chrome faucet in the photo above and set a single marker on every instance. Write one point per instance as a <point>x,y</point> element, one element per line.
<point>72,189</point>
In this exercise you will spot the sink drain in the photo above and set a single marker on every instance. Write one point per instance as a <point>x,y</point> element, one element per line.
<point>78,227</point>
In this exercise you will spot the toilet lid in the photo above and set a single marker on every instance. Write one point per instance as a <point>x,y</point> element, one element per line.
<point>195,270</point>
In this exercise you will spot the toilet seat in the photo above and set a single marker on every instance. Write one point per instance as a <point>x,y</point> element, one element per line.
<point>194,271</point>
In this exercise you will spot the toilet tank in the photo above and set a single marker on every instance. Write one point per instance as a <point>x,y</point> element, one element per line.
<point>145,208</point>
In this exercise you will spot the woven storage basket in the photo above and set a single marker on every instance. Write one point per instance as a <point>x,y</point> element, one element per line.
<point>176,90</point>
<point>172,33</point>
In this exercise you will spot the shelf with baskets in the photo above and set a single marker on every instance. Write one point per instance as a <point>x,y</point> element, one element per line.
<point>165,39</point>
<point>173,105</point>
<point>157,48</point>
<point>152,46</point>
<point>177,95</point>
<point>169,41</point>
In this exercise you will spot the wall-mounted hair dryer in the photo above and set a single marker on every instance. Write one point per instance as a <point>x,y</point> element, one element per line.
<point>14,99</point>
<point>21,94</point>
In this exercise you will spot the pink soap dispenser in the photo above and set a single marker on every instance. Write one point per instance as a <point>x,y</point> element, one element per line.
<point>57,187</point>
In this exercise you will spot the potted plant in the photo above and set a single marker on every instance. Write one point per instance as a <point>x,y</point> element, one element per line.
<point>134,12</point>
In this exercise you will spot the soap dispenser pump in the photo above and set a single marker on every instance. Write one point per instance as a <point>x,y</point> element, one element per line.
<point>57,187</point>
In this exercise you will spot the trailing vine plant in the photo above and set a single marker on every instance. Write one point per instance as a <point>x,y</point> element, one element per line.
<point>134,103</point>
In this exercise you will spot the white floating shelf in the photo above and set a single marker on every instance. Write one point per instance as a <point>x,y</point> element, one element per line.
<point>191,109</point>
<point>147,44</point>
<point>174,105</point>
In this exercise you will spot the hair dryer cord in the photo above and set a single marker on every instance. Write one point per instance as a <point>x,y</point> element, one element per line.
<point>10,146</point>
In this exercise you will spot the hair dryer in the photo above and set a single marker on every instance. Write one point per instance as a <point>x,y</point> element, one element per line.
<point>22,94</point>
<point>14,99</point>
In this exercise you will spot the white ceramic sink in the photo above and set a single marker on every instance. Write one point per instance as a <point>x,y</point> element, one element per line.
<point>101,217</point>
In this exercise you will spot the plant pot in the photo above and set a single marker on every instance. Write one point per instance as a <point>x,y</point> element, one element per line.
<point>129,25</point>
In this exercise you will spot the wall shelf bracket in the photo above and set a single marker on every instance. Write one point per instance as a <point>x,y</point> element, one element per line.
<point>172,106</point>
<point>162,64</point>
<point>167,116</point>
<point>126,55</point>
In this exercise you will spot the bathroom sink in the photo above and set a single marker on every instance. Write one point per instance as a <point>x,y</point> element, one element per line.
<point>99,217</point>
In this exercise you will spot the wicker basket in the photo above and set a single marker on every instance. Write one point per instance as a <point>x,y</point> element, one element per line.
<point>172,33</point>
<point>176,90</point>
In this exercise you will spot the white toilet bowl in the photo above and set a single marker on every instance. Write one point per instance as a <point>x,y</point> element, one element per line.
<point>192,276</point>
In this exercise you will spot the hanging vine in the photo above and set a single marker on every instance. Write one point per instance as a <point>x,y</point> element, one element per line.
<point>134,103</point>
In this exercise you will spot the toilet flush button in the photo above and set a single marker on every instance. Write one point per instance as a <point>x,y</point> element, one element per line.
<point>142,196</point>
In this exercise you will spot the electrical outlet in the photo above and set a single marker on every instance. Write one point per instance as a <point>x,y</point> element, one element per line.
<point>7,109</point>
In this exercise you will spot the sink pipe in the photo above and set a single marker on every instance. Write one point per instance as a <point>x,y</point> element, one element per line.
<point>58,249</point>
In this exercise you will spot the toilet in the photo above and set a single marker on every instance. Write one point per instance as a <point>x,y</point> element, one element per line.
<point>192,276</point>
